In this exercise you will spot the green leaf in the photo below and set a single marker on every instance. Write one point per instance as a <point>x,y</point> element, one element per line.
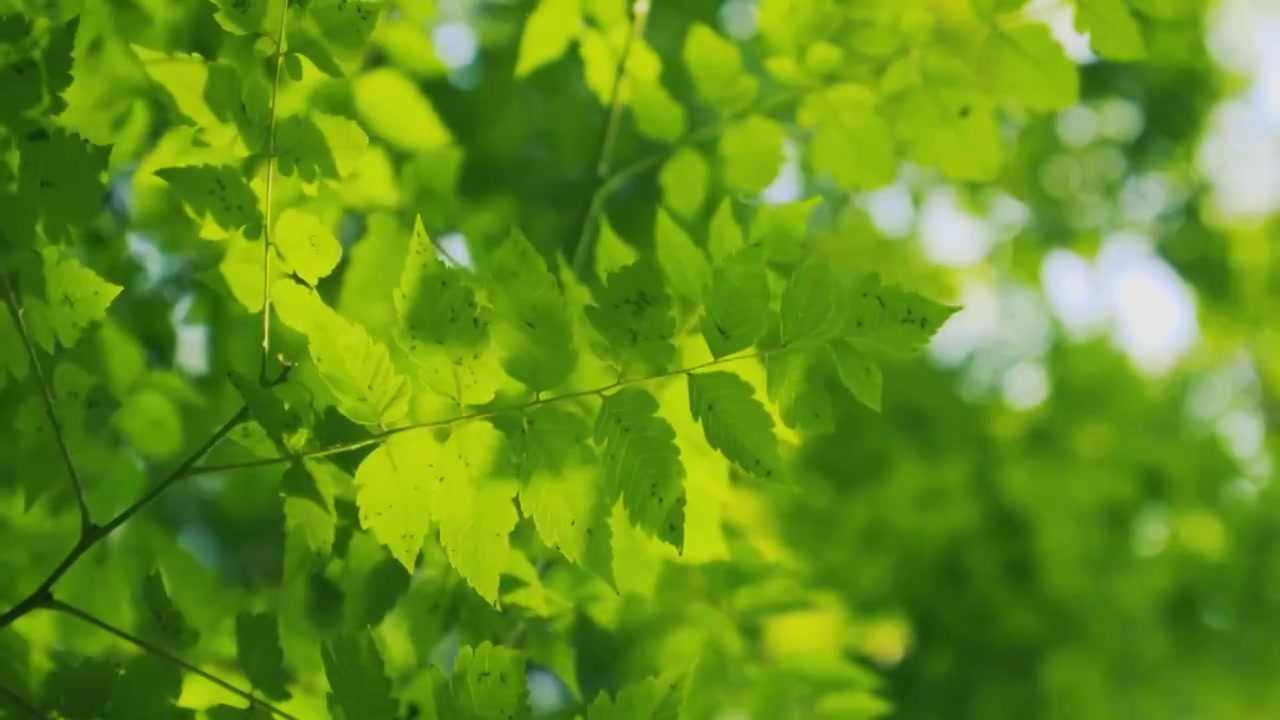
<point>81,689</point>
<point>684,179</point>
<point>395,488</point>
<point>374,584</point>
<point>736,306</point>
<point>1114,31</point>
<point>892,320</point>
<point>488,683</point>
<point>359,373</point>
<point>851,141</point>
<point>639,701</point>
<point>77,299</point>
<point>783,229</point>
<point>859,373</point>
<point>792,24</point>
<point>298,482</point>
<point>560,488</point>
<point>346,24</point>
<point>445,330</point>
<point>684,263</point>
<point>217,194</point>
<point>306,244</point>
<point>796,386</point>
<point>243,17</point>
<point>715,64</point>
<point>735,422</point>
<point>150,422</point>
<point>724,236</point>
<point>13,358</point>
<point>633,315</point>
<point>475,509</point>
<point>162,618</point>
<point>751,153</point>
<point>231,712</point>
<point>264,407</point>
<point>259,654</point>
<point>358,685</point>
<point>656,112</point>
<point>148,688</point>
<point>60,177</point>
<point>550,30</point>
<point>811,303</point>
<point>939,110</point>
<point>303,150</point>
<point>413,126</point>
<point>642,464</point>
<point>535,329</point>
<point>1029,67</point>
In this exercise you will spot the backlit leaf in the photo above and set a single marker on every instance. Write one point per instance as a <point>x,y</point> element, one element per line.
<point>488,682</point>
<point>551,28</point>
<point>395,487</point>
<point>641,463</point>
<point>735,422</point>
<point>1031,68</point>
<point>634,316</point>
<point>414,126</point>
<point>736,306</point>
<point>535,330</point>
<point>751,153</point>
<point>307,244</point>
<point>859,373</point>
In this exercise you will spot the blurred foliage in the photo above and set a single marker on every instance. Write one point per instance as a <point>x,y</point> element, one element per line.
<point>365,322</point>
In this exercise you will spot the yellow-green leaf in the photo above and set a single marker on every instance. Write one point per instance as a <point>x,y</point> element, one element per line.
<point>306,244</point>
<point>552,27</point>
<point>1029,67</point>
<point>393,108</point>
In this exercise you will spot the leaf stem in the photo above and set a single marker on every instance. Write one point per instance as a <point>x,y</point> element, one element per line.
<point>59,606</point>
<point>267,247</point>
<point>42,595</point>
<point>381,437</point>
<point>587,234</point>
<point>24,704</point>
<point>46,394</point>
<point>608,137</point>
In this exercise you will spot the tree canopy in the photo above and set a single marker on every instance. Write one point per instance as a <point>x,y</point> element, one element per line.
<point>697,359</point>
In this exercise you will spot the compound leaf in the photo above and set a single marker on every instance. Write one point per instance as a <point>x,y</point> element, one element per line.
<point>642,463</point>
<point>735,422</point>
<point>534,327</point>
<point>736,305</point>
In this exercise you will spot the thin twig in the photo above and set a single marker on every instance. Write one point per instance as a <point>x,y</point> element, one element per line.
<point>46,394</point>
<point>22,703</point>
<point>59,606</point>
<point>42,595</point>
<point>267,214</point>
<point>381,437</point>
<point>587,231</point>
<point>608,134</point>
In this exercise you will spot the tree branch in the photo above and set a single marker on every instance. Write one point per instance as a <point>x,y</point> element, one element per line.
<point>267,214</point>
<point>59,606</point>
<point>46,394</point>
<point>42,595</point>
<point>381,437</point>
